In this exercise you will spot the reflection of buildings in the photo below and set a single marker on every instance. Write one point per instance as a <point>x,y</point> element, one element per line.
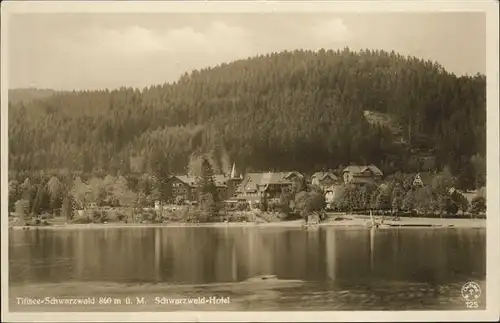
<point>157,235</point>
<point>187,255</point>
<point>312,256</point>
<point>234,262</point>
<point>252,252</point>
<point>80,253</point>
<point>372,247</point>
<point>226,256</point>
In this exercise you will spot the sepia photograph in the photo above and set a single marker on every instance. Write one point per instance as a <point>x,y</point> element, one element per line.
<point>253,160</point>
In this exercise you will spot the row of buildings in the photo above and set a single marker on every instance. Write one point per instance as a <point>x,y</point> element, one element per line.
<point>252,187</point>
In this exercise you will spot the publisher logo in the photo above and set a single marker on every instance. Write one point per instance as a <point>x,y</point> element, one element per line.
<point>471,291</point>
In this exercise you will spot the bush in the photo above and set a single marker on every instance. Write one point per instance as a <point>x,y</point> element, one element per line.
<point>98,216</point>
<point>148,216</point>
<point>208,205</point>
<point>84,219</point>
<point>185,215</point>
<point>216,218</point>
<point>179,200</point>
<point>45,216</point>
<point>114,215</point>
<point>279,207</point>
<point>200,216</point>
<point>111,214</point>
<point>120,216</point>
<point>478,205</point>
<point>34,221</point>
<point>242,206</point>
<point>307,202</point>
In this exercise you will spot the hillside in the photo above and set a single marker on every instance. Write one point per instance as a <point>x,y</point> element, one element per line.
<point>387,121</point>
<point>28,95</point>
<point>299,110</point>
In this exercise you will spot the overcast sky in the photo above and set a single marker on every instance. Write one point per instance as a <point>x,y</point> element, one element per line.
<point>90,51</point>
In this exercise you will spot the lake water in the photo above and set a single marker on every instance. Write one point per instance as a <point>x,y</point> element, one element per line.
<point>322,268</point>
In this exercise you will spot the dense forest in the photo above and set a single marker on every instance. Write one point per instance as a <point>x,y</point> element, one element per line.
<point>293,110</point>
<point>29,94</point>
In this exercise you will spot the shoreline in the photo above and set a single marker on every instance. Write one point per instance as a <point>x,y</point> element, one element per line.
<point>355,222</point>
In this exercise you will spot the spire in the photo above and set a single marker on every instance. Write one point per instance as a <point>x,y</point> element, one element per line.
<point>233,171</point>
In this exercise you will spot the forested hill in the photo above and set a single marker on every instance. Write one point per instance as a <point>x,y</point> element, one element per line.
<point>29,94</point>
<point>301,110</point>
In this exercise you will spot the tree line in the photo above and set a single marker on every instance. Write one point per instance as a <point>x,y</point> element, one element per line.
<point>265,113</point>
<point>51,195</point>
<point>398,195</point>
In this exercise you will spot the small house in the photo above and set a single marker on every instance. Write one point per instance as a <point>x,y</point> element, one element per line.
<point>362,174</point>
<point>324,179</point>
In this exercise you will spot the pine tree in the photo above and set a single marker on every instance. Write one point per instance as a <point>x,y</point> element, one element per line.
<point>41,202</point>
<point>161,175</point>
<point>207,191</point>
<point>397,199</point>
<point>14,194</point>
<point>67,207</point>
<point>206,182</point>
<point>54,188</point>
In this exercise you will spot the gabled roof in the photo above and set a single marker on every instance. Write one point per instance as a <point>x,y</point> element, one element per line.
<point>323,175</point>
<point>289,174</point>
<point>279,178</point>
<point>375,170</point>
<point>360,169</point>
<point>426,177</point>
<point>252,182</point>
<point>189,180</point>
<point>469,196</point>
<point>361,180</point>
<point>220,180</point>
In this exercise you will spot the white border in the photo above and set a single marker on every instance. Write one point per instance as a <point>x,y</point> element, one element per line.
<point>491,7</point>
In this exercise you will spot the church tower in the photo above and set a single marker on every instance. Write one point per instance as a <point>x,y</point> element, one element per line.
<point>233,182</point>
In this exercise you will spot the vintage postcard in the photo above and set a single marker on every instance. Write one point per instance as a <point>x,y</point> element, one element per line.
<point>250,161</point>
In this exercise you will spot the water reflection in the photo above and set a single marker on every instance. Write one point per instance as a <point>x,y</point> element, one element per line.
<point>208,255</point>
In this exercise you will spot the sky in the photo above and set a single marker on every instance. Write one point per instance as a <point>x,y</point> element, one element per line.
<point>65,51</point>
